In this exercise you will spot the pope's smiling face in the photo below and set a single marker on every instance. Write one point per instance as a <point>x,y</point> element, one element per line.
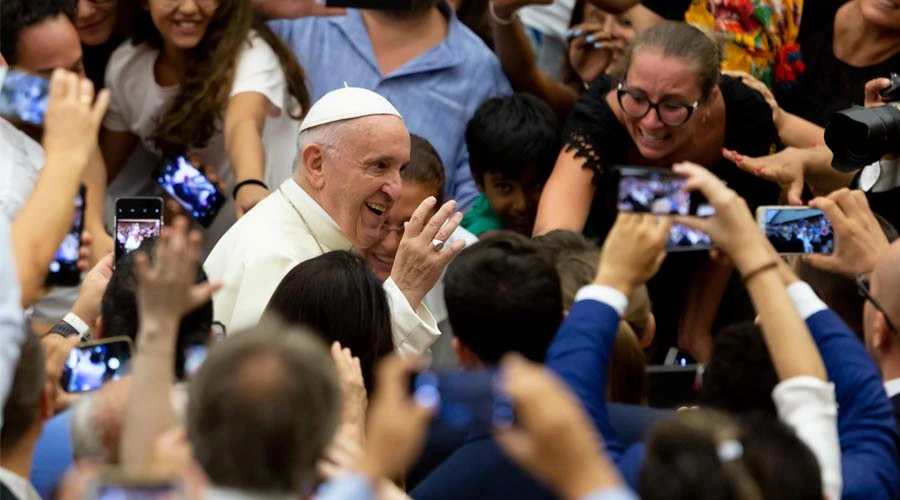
<point>360,176</point>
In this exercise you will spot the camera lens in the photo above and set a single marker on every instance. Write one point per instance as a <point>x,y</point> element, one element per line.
<point>861,136</point>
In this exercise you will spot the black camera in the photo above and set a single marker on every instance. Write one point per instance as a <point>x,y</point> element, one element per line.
<point>861,136</point>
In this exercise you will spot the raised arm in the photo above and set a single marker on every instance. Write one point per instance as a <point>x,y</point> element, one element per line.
<point>567,196</point>
<point>244,123</point>
<point>70,137</point>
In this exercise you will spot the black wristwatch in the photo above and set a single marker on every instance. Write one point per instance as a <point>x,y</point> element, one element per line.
<point>64,329</point>
<point>71,325</point>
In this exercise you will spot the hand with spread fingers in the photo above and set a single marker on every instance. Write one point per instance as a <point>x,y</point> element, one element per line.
<point>859,241</point>
<point>634,250</point>
<point>423,254</point>
<point>787,168</point>
<point>553,438</point>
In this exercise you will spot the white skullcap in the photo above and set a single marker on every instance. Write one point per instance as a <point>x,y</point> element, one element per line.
<point>345,104</point>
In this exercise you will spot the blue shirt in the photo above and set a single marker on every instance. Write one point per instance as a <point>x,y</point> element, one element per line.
<point>437,92</point>
<point>52,455</point>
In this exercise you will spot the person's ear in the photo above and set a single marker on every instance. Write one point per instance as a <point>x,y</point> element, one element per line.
<point>467,359</point>
<point>881,334</point>
<point>312,165</point>
<point>649,332</point>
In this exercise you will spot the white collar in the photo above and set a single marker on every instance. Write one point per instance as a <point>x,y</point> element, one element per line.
<point>294,189</point>
<point>892,387</point>
<point>214,493</point>
<point>18,485</point>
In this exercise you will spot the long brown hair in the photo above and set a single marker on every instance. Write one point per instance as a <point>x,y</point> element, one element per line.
<point>197,112</point>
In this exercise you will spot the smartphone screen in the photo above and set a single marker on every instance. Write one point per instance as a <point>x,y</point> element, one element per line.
<point>23,96</point>
<point>64,267</point>
<point>137,219</point>
<point>684,239</point>
<point>190,188</point>
<point>162,491</point>
<point>465,401</point>
<point>194,356</point>
<point>796,230</point>
<point>91,365</point>
<point>656,191</point>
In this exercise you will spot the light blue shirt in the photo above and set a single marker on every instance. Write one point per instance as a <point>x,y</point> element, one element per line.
<point>437,92</point>
<point>12,318</point>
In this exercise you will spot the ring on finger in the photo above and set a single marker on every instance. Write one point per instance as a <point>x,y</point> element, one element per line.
<point>437,245</point>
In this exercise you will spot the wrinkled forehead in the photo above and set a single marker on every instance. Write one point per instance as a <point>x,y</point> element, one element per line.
<point>375,136</point>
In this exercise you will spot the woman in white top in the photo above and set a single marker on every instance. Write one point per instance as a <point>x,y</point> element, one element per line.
<point>205,77</point>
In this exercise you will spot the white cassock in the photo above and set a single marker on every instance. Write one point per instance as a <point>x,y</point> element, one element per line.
<point>252,258</point>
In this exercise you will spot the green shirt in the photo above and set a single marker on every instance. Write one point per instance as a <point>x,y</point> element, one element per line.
<point>481,218</point>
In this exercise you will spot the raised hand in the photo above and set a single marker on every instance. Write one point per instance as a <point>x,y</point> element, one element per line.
<point>353,389</point>
<point>87,305</point>
<point>422,255</point>
<point>787,168</point>
<point>633,251</point>
<point>592,48</point>
<point>553,438</point>
<point>859,241</point>
<point>166,289</point>
<point>73,118</point>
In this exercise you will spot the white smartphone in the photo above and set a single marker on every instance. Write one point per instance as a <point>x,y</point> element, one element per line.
<point>796,230</point>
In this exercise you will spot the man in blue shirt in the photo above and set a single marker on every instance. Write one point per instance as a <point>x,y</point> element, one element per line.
<point>432,68</point>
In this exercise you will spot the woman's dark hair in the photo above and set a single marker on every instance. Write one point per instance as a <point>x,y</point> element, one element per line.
<point>425,167</point>
<point>196,113</point>
<point>681,41</point>
<point>337,296</point>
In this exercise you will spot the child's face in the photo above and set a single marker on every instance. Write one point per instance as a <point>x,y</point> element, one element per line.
<point>182,23</point>
<point>514,201</point>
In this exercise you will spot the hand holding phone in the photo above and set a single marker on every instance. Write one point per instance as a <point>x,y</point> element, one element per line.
<point>137,219</point>
<point>796,230</point>
<point>23,96</point>
<point>195,193</point>
<point>64,266</point>
<point>469,401</point>
<point>94,363</point>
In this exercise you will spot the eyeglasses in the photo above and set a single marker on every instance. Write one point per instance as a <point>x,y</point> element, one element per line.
<point>208,4</point>
<point>862,286</point>
<point>636,104</point>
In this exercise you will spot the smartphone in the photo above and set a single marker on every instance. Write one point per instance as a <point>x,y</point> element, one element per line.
<point>796,230</point>
<point>137,219</point>
<point>23,96</point>
<point>116,485</point>
<point>190,188</point>
<point>64,267</point>
<point>686,239</point>
<point>194,356</point>
<point>658,191</point>
<point>94,363</point>
<point>468,401</point>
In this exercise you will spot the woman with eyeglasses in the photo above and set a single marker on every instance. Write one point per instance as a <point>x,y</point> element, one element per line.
<point>206,78</point>
<point>670,105</point>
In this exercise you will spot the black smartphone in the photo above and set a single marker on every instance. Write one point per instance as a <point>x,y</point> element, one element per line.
<point>94,363</point>
<point>469,401</point>
<point>23,96</point>
<point>658,191</point>
<point>190,188</point>
<point>64,267</point>
<point>137,219</point>
<point>796,230</point>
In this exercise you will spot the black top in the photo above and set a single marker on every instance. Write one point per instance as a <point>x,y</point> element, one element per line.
<point>673,10</point>
<point>96,59</point>
<point>828,84</point>
<point>596,134</point>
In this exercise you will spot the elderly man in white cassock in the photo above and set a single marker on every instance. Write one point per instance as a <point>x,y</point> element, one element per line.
<point>351,148</point>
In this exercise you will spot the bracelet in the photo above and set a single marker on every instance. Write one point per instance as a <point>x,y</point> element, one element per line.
<point>497,19</point>
<point>239,185</point>
<point>759,270</point>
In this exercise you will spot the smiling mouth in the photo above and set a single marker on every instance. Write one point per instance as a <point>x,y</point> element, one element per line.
<point>653,138</point>
<point>389,261</point>
<point>188,25</point>
<point>376,208</point>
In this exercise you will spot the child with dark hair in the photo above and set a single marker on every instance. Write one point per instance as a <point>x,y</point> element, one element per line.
<point>513,142</point>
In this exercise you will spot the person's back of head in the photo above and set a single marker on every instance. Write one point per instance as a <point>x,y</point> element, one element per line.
<point>784,467</point>
<point>627,373</point>
<point>97,421</point>
<point>16,19</point>
<point>119,309</point>
<point>425,167</point>
<point>336,296</point>
<point>740,375</point>
<point>503,296</point>
<point>28,403</point>
<point>513,142</point>
<point>261,410</point>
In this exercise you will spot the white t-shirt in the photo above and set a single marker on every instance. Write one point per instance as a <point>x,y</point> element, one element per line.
<point>552,20</point>
<point>23,159</point>
<point>138,102</point>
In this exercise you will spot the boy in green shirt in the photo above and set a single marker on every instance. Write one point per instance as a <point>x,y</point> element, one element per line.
<point>513,143</point>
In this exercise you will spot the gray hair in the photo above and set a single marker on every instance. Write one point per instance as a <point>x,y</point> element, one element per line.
<point>328,135</point>
<point>262,409</point>
<point>86,441</point>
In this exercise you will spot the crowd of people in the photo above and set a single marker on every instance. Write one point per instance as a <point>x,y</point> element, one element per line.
<point>428,278</point>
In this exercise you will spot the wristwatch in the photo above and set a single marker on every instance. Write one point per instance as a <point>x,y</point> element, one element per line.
<point>71,325</point>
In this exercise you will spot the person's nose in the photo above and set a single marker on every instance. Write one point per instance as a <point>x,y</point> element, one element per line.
<point>651,119</point>
<point>393,186</point>
<point>86,8</point>
<point>188,7</point>
<point>519,201</point>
